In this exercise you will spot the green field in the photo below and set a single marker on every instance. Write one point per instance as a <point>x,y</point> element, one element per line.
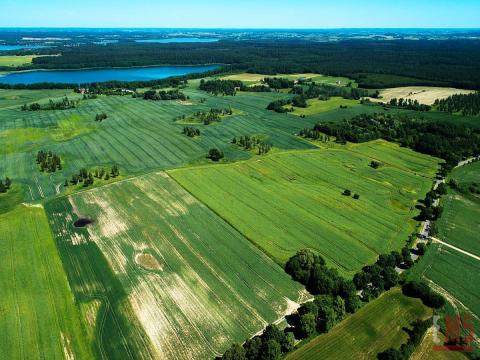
<point>170,278</point>
<point>14,61</point>
<point>460,222</point>
<point>316,106</point>
<point>39,319</point>
<point>318,78</point>
<point>293,200</point>
<point>373,329</point>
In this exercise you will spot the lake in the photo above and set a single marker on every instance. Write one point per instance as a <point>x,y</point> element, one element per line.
<point>19,47</point>
<point>101,75</point>
<point>177,40</point>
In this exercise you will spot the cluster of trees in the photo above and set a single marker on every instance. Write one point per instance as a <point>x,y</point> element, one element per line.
<point>310,270</point>
<point>415,336</point>
<point>429,211</point>
<point>279,83</point>
<point>467,104</point>
<point>410,60</point>
<point>64,104</point>
<point>348,192</point>
<point>314,134</point>
<point>257,88</point>
<point>325,91</point>
<point>190,131</point>
<point>215,154</point>
<point>49,161</point>
<point>87,178</point>
<point>269,346</point>
<point>213,115</point>
<point>223,87</point>
<point>449,140</point>
<point>374,279</point>
<point>279,106</point>
<point>250,142</point>
<point>409,104</point>
<point>423,292</point>
<point>164,95</point>
<point>5,186</point>
<point>101,117</point>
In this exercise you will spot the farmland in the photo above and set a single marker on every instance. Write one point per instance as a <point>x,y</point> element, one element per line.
<point>14,61</point>
<point>36,307</point>
<point>461,220</point>
<point>423,94</point>
<point>373,329</point>
<point>315,106</point>
<point>318,78</point>
<point>154,265</point>
<point>293,200</point>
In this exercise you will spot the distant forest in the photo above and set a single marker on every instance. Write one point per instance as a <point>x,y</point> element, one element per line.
<point>373,64</point>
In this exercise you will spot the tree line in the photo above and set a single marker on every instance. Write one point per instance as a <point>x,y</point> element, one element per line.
<point>221,87</point>
<point>466,104</point>
<point>64,104</point>
<point>409,104</point>
<point>174,94</point>
<point>87,178</point>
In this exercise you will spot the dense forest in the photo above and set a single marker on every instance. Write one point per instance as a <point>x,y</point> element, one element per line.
<point>449,62</point>
<point>467,104</point>
<point>445,139</point>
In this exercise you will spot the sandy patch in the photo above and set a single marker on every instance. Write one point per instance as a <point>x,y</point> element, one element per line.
<point>184,103</point>
<point>148,262</point>
<point>423,94</point>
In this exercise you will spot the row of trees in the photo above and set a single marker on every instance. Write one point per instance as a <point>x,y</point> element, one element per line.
<point>467,104</point>
<point>87,178</point>
<point>325,91</point>
<point>430,210</point>
<point>174,94</point>
<point>101,117</point>
<point>190,131</point>
<point>5,186</point>
<point>279,106</point>
<point>278,83</point>
<point>64,104</point>
<point>221,87</point>
<point>415,336</point>
<point>409,104</point>
<point>313,134</point>
<point>49,161</point>
<point>448,140</point>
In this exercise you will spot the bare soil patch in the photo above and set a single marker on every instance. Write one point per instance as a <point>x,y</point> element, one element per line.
<point>148,262</point>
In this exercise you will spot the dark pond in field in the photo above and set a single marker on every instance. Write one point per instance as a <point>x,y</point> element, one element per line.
<point>80,223</point>
<point>18,47</point>
<point>177,40</point>
<point>100,75</point>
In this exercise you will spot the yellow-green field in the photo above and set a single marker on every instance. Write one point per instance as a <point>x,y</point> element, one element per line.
<point>14,61</point>
<point>39,319</point>
<point>318,78</point>
<point>373,329</point>
<point>292,200</point>
<point>316,106</point>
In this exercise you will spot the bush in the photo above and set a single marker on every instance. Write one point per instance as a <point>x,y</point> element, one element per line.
<point>215,155</point>
<point>356,196</point>
<point>347,192</point>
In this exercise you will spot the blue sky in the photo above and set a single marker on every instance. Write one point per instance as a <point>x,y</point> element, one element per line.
<point>241,13</point>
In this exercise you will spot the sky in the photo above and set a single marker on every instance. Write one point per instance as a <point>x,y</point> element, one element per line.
<point>241,13</point>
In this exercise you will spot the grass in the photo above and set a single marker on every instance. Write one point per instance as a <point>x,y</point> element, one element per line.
<point>460,221</point>
<point>318,78</point>
<point>374,328</point>
<point>292,200</point>
<point>172,277</point>
<point>15,61</point>
<point>316,106</point>
<point>39,317</point>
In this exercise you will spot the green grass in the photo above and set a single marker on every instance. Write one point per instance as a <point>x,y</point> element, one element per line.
<point>374,328</point>
<point>316,106</point>
<point>39,319</point>
<point>292,200</point>
<point>14,61</point>
<point>204,287</point>
<point>460,222</point>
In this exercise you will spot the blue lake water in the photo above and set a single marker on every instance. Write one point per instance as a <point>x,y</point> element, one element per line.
<point>177,40</point>
<point>101,75</point>
<point>19,47</point>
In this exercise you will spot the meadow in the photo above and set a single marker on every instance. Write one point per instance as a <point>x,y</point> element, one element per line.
<point>249,78</point>
<point>461,218</point>
<point>159,275</point>
<point>14,61</point>
<point>292,200</point>
<point>315,106</point>
<point>373,329</point>
<point>39,319</point>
